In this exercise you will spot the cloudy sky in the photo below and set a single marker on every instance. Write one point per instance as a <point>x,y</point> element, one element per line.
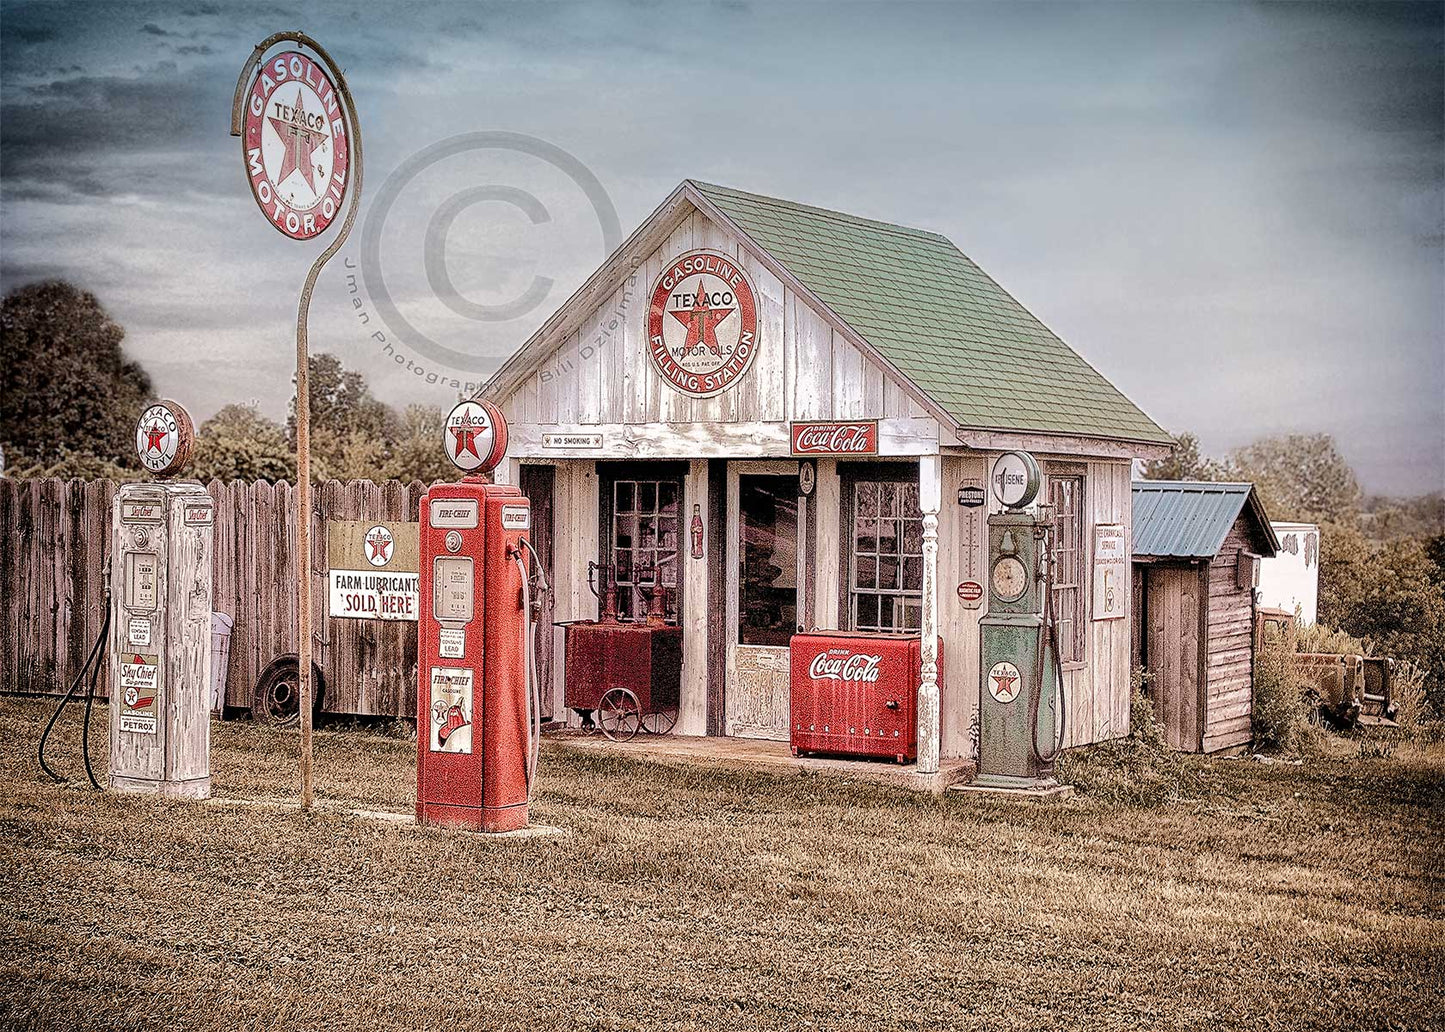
<point>1233,211</point>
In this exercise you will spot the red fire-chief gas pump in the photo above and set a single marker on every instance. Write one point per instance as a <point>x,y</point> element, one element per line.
<point>478,702</point>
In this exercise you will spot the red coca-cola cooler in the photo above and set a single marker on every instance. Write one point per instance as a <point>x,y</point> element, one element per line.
<point>857,694</point>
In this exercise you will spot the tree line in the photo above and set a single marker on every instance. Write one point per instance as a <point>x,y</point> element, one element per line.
<point>69,401</point>
<point>1382,560</point>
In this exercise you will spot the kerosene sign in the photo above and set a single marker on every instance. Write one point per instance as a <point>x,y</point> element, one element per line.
<point>373,570</point>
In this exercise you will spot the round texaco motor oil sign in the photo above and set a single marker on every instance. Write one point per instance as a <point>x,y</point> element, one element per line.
<point>163,438</point>
<point>702,324</point>
<point>475,436</point>
<point>297,152</point>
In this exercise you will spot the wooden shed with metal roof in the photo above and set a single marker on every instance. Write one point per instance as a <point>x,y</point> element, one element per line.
<point>789,414</point>
<point>1197,547</point>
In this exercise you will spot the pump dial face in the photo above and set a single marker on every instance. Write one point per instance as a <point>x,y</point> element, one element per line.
<point>1010,579</point>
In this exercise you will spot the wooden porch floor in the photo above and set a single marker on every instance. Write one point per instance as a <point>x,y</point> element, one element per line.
<point>757,754</point>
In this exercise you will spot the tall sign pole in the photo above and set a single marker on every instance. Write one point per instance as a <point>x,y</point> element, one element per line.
<point>301,144</point>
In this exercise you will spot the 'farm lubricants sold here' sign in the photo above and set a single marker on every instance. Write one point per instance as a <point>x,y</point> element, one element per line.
<point>373,570</point>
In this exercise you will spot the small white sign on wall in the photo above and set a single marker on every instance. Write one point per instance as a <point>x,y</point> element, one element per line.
<point>1111,572</point>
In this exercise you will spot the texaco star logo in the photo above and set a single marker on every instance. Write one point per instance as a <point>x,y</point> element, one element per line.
<point>702,324</point>
<point>1004,681</point>
<point>297,151</point>
<point>475,436</point>
<point>379,544</point>
<point>157,437</point>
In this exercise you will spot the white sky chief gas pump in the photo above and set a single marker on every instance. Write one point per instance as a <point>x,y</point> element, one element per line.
<point>478,700</point>
<point>1022,700</point>
<point>160,627</point>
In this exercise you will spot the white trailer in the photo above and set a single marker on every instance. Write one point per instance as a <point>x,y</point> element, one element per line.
<point>1291,580</point>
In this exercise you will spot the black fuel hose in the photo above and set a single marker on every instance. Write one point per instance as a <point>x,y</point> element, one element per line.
<point>92,666</point>
<point>1049,633</point>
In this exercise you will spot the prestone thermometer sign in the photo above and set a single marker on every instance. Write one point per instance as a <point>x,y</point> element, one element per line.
<point>298,154</point>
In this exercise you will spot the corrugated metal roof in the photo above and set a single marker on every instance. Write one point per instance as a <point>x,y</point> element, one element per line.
<point>1187,519</point>
<point>940,319</point>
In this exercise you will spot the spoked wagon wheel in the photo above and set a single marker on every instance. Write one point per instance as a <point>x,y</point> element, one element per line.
<point>660,723</point>
<point>619,714</point>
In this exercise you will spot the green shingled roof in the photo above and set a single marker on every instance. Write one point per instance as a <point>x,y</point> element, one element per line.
<point>939,319</point>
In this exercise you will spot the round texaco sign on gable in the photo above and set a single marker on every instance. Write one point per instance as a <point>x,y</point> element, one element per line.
<point>164,437</point>
<point>297,152</point>
<point>475,436</point>
<point>702,324</point>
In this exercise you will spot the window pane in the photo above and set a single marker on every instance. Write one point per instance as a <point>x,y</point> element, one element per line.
<point>867,612</point>
<point>623,496</point>
<point>867,496</point>
<point>912,537</point>
<point>887,557</point>
<point>667,497</point>
<point>768,574</point>
<point>647,496</point>
<point>888,536</point>
<point>1067,493</point>
<point>867,536</point>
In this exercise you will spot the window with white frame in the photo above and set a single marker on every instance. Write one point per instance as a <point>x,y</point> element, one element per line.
<point>1066,494</point>
<point>886,557</point>
<point>642,527</point>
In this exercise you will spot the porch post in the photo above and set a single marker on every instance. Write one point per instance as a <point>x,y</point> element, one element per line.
<point>930,493</point>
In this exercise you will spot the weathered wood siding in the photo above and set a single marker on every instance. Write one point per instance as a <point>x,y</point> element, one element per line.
<point>1229,656</point>
<point>1097,688</point>
<point>52,580</point>
<point>1174,625</point>
<point>600,377</point>
<point>52,593</point>
<point>962,555</point>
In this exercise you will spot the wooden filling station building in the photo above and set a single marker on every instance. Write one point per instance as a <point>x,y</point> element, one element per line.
<point>790,415</point>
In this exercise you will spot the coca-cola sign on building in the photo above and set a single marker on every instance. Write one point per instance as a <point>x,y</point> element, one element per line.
<point>856,438</point>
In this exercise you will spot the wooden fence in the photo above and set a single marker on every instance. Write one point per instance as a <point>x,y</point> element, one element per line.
<point>55,547</point>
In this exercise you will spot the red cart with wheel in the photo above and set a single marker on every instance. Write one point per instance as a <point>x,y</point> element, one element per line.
<point>624,677</point>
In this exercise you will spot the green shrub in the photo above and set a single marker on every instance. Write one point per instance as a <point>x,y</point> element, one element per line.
<point>1316,637</point>
<point>1137,770</point>
<point>1280,714</point>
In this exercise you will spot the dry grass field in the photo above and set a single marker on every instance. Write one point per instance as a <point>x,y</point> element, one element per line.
<point>1261,896</point>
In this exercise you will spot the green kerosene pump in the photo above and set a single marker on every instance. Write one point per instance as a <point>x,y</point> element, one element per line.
<point>1021,718</point>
